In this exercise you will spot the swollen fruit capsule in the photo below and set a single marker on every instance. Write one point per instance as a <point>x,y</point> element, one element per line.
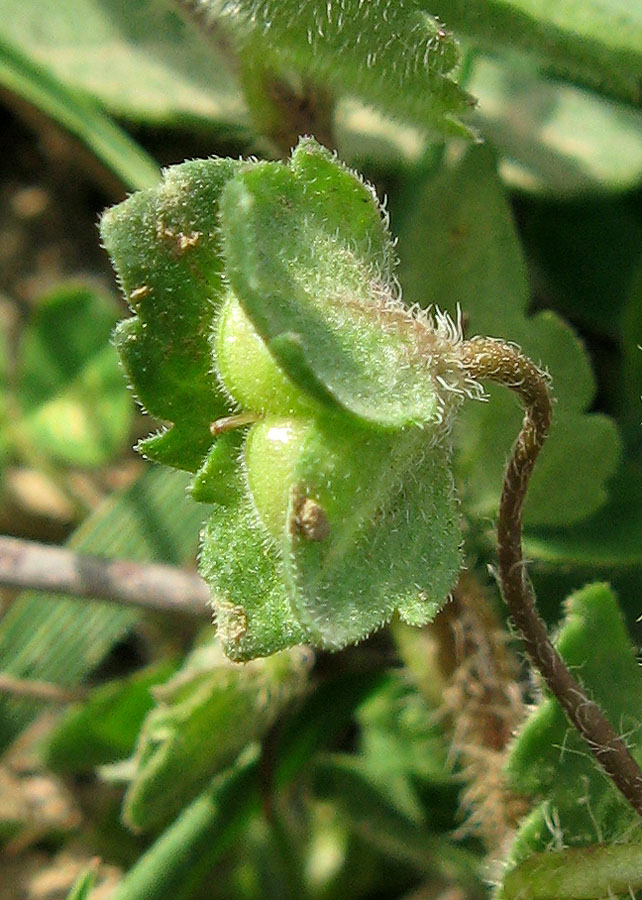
<point>271,452</point>
<point>248,370</point>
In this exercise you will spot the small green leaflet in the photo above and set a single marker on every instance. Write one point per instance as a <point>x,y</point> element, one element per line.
<point>393,56</point>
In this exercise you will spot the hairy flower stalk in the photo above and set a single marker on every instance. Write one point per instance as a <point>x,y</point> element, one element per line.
<point>487,358</point>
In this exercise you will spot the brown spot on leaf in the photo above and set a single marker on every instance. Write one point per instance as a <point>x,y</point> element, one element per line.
<point>139,292</point>
<point>186,241</point>
<point>310,519</point>
<point>232,623</point>
<point>180,240</point>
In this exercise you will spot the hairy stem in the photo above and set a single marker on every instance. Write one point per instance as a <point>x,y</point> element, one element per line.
<point>281,108</point>
<point>486,358</point>
<point>26,564</point>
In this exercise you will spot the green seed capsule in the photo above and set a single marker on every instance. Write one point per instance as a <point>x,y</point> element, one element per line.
<point>271,452</point>
<point>248,370</point>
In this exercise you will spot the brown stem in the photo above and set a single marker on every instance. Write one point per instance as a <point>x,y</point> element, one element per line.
<point>26,564</point>
<point>505,364</point>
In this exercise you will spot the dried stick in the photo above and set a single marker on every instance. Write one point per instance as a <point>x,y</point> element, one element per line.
<point>40,690</point>
<point>486,358</point>
<point>25,564</point>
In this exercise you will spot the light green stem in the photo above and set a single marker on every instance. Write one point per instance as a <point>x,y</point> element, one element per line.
<point>186,853</point>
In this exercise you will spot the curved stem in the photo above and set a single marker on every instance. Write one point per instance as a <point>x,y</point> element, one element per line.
<point>486,358</point>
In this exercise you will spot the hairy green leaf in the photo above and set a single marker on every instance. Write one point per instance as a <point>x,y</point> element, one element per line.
<point>458,246</point>
<point>165,247</point>
<point>313,535</point>
<point>309,257</point>
<point>205,715</point>
<point>594,42</point>
<point>250,600</point>
<point>582,808</point>
<point>602,870</point>
<point>393,532</point>
<point>215,481</point>
<point>70,389</point>
<point>391,55</point>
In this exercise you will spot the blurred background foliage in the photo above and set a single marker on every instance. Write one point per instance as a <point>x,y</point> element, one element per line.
<point>378,772</point>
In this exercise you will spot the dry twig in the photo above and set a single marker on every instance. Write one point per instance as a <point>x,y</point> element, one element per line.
<point>25,564</point>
